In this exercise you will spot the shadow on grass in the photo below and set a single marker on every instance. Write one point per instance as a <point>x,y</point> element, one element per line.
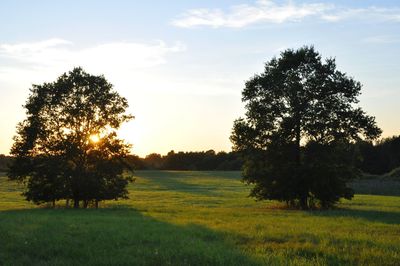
<point>108,237</point>
<point>175,181</point>
<point>369,215</point>
<point>174,184</point>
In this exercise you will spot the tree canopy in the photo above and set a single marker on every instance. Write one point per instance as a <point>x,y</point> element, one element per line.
<point>67,147</point>
<point>301,117</point>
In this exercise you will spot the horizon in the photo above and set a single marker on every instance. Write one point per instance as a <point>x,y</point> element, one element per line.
<point>182,65</point>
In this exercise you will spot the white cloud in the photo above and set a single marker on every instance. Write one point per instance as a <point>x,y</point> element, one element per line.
<point>60,54</point>
<point>31,47</point>
<point>267,11</point>
<point>371,13</point>
<point>382,39</point>
<point>243,15</point>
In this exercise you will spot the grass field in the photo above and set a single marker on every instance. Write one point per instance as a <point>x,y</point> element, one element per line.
<point>199,218</point>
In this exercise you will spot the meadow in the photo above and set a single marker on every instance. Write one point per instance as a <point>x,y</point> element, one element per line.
<point>201,218</point>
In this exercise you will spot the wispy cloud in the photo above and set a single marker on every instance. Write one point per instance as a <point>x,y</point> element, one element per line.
<point>371,13</point>
<point>382,39</point>
<point>59,53</point>
<point>243,15</point>
<point>267,11</point>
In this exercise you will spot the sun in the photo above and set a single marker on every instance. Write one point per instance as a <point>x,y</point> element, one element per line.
<point>94,138</point>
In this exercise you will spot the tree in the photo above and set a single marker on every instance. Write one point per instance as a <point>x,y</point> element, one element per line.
<point>67,147</point>
<point>300,114</point>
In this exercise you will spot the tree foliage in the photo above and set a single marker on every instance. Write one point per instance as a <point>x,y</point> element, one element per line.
<point>67,147</point>
<point>301,118</point>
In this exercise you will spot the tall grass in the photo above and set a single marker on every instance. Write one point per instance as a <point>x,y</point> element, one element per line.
<point>198,218</point>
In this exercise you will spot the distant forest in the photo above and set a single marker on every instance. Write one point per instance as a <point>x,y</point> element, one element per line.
<point>205,161</point>
<point>380,158</point>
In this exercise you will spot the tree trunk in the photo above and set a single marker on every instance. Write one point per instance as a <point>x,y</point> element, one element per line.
<point>97,204</point>
<point>304,186</point>
<point>85,204</point>
<point>54,203</point>
<point>303,202</point>
<point>298,139</point>
<point>67,203</point>
<point>298,151</point>
<point>299,176</point>
<point>76,204</point>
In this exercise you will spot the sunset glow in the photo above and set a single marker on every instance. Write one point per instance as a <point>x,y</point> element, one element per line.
<point>94,138</point>
<point>182,67</point>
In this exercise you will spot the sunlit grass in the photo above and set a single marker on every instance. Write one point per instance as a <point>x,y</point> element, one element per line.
<point>198,218</point>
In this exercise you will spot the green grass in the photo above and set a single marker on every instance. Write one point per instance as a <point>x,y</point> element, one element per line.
<point>197,218</point>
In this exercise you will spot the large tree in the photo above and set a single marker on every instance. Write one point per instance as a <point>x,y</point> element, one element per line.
<point>67,147</point>
<point>301,117</point>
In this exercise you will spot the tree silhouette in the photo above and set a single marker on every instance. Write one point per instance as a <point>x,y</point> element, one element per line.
<point>67,147</point>
<point>300,115</point>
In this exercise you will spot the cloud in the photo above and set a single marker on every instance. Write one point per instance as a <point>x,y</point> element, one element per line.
<point>371,13</point>
<point>243,15</point>
<point>61,54</point>
<point>382,39</point>
<point>267,11</point>
<point>31,47</point>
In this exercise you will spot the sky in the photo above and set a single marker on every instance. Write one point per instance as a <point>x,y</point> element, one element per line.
<point>182,64</point>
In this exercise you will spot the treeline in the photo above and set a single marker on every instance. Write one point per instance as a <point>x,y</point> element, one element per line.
<point>379,158</point>
<point>201,161</point>
<point>5,162</point>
